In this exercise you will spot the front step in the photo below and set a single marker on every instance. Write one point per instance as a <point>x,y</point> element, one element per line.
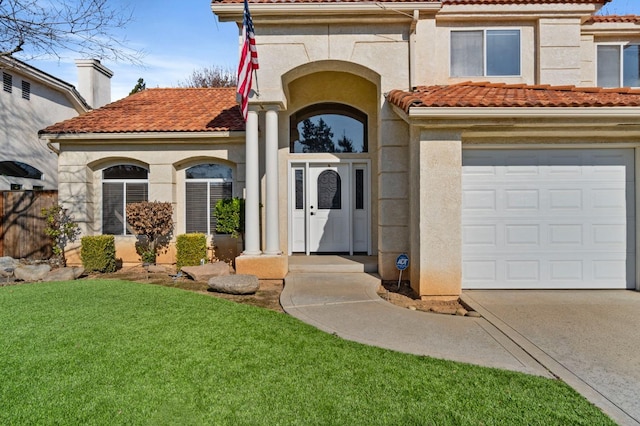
<point>333,264</point>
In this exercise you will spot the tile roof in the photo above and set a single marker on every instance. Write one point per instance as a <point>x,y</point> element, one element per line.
<point>633,19</point>
<point>452,2</point>
<point>161,110</point>
<point>499,95</point>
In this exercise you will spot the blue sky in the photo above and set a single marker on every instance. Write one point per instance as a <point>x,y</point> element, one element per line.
<point>176,36</point>
<point>179,36</point>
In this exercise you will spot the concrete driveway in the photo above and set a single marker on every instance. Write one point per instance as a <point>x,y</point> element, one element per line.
<point>589,339</point>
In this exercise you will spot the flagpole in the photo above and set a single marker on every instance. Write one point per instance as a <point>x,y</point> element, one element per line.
<point>255,76</point>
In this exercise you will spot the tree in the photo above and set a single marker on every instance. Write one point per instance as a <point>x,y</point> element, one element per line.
<point>214,76</point>
<point>345,144</point>
<point>152,221</point>
<point>61,228</point>
<point>317,137</point>
<point>85,27</point>
<point>139,87</point>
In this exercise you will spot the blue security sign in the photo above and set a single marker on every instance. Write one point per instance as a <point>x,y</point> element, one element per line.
<point>402,262</point>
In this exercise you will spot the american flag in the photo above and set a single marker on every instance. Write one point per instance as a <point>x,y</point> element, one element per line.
<point>248,61</point>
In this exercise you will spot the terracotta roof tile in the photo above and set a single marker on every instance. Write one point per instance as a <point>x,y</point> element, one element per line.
<point>453,2</point>
<point>632,19</point>
<point>161,110</point>
<point>499,95</point>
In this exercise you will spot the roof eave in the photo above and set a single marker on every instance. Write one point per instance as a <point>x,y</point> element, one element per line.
<point>49,80</point>
<point>140,136</point>
<point>523,112</point>
<point>233,11</point>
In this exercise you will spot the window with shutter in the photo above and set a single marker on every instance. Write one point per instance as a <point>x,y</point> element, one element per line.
<point>205,185</point>
<point>122,184</point>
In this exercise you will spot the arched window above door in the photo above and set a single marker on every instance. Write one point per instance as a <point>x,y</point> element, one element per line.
<point>328,127</point>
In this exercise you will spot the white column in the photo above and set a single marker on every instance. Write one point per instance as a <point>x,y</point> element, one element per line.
<point>252,200</point>
<point>272,199</point>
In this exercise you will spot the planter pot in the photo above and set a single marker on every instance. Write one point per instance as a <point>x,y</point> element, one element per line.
<point>226,247</point>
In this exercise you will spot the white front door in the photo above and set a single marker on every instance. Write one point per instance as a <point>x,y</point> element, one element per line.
<point>330,210</point>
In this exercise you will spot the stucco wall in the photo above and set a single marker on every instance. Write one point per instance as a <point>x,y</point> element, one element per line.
<point>81,165</point>
<point>20,121</point>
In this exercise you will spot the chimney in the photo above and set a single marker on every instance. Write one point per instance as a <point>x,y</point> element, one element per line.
<point>94,82</point>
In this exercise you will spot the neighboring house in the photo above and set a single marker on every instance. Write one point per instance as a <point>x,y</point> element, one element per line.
<point>470,134</point>
<point>31,99</point>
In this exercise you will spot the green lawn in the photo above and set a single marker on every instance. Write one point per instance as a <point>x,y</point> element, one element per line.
<point>115,352</point>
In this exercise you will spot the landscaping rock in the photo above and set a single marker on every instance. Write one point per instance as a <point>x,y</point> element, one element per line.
<point>31,273</point>
<point>444,310</point>
<point>156,269</point>
<point>461,312</point>
<point>64,274</point>
<point>207,271</point>
<point>235,284</point>
<point>7,265</point>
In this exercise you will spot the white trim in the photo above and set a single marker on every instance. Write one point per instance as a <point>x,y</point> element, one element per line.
<point>233,11</point>
<point>305,163</point>
<point>637,215</point>
<point>56,137</point>
<point>523,112</point>
<point>620,45</point>
<point>484,50</point>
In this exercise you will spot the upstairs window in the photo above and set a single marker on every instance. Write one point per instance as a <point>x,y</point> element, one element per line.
<point>618,65</point>
<point>328,127</point>
<point>7,82</point>
<point>121,185</point>
<point>479,53</point>
<point>205,185</point>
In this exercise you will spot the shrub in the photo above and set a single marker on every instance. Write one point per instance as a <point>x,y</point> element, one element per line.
<point>98,253</point>
<point>190,248</point>
<point>61,228</point>
<point>152,222</point>
<point>230,216</point>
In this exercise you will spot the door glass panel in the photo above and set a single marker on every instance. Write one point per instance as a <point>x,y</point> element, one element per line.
<point>359,189</point>
<point>299,189</point>
<point>329,190</point>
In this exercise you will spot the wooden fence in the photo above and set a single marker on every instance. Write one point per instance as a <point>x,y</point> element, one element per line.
<point>22,228</point>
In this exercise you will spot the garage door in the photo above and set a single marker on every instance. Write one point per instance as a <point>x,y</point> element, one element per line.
<point>548,219</point>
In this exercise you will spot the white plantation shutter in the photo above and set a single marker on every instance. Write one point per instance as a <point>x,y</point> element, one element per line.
<point>196,207</point>
<point>205,185</point>
<point>122,185</point>
<point>112,203</point>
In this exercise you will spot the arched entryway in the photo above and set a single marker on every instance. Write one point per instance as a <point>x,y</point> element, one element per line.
<point>332,148</point>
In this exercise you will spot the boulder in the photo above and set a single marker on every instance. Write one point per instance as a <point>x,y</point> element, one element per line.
<point>206,271</point>
<point>64,274</point>
<point>7,266</point>
<point>156,269</point>
<point>31,272</point>
<point>235,284</point>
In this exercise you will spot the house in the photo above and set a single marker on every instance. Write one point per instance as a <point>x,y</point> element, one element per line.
<point>30,100</point>
<point>493,141</point>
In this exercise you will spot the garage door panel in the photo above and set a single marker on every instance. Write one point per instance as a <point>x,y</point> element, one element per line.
<point>548,219</point>
<point>552,272</point>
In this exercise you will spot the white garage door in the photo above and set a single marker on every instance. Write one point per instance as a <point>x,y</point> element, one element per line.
<point>548,219</point>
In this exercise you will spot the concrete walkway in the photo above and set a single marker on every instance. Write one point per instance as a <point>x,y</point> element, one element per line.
<point>589,339</point>
<point>547,335</point>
